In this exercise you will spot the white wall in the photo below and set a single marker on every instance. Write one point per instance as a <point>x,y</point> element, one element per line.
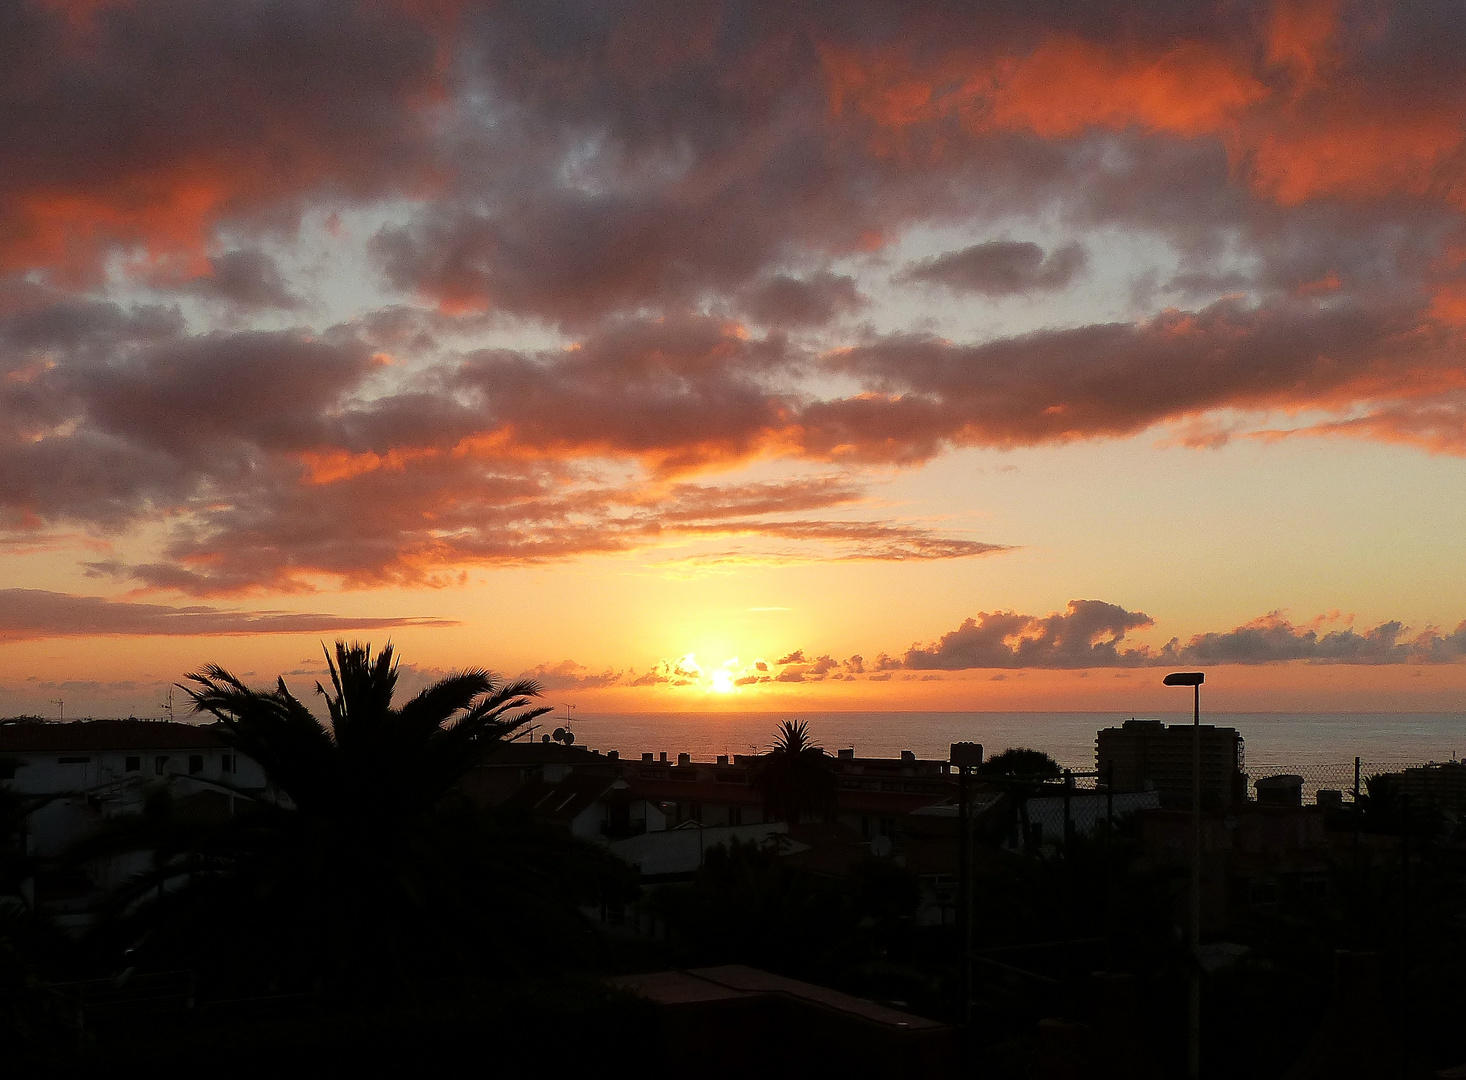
<point>1086,811</point>
<point>45,774</point>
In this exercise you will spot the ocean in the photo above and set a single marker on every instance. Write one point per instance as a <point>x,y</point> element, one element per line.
<point>1276,742</point>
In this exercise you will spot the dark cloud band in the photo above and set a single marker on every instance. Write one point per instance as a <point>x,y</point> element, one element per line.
<point>34,614</point>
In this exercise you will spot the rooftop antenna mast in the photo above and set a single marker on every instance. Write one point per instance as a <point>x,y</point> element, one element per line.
<point>60,704</point>
<point>168,705</point>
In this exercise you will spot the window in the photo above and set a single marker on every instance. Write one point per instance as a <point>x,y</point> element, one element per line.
<point>159,762</point>
<point>73,761</point>
<point>195,763</point>
<point>226,763</point>
<point>132,763</point>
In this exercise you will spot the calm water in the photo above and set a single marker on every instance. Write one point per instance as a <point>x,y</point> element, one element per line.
<point>1291,739</point>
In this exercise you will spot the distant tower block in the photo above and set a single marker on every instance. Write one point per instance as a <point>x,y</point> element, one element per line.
<point>1146,755</point>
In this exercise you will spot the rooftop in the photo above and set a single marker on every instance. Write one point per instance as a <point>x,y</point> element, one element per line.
<point>40,736</point>
<point>734,981</point>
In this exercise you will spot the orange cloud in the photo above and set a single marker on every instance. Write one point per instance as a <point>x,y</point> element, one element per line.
<point>1059,89</point>
<point>1348,148</point>
<point>1300,35</point>
<point>1066,86</point>
<point>142,126</point>
<point>1323,130</point>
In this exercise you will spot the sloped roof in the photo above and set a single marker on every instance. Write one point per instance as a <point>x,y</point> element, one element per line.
<point>564,799</point>
<point>34,736</point>
<point>735,981</point>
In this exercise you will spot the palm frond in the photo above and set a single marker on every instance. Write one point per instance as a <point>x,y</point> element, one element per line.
<point>272,727</point>
<point>364,687</point>
<point>434,707</point>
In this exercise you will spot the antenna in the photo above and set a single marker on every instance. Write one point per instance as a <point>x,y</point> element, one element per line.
<point>60,704</point>
<point>168,705</point>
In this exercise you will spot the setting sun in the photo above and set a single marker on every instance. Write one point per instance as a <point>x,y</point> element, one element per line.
<point>722,682</point>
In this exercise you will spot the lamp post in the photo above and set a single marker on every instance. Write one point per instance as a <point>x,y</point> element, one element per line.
<point>1194,679</point>
<point>966,757</point>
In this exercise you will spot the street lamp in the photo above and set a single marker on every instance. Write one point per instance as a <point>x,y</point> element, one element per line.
<point>1194,679</point>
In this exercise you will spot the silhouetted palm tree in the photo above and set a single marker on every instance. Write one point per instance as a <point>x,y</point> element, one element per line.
<point>795,776</point>
<point>373,872</point>
<point>373,761</point>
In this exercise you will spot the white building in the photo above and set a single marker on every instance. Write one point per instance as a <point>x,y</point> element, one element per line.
<point>84,773</point>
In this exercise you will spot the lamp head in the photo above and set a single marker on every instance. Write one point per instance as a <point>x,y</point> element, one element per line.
<point>1185,678</point>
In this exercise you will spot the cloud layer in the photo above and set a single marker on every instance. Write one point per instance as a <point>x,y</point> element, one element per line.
<point>512,291</point>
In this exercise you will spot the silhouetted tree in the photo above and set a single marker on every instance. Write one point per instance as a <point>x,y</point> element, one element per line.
<point>1021,761</point>
<point>795,776</point>
<point>373,872</point>
<point>1021,771</point>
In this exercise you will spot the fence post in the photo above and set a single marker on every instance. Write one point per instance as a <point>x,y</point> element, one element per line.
<point>1068,821</point>
<point>1068,883</point>
<point>1110,796</point>
<point>1356,783</point>
<point>1108,852</point>
<point>1404,935</point>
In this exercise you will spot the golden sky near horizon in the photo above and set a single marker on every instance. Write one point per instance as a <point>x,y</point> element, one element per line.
<point>737,356</point>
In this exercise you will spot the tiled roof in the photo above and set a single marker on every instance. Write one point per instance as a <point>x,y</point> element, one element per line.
<point>32,736</point>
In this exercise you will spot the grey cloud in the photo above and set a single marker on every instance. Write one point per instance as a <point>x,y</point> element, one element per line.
<point>1273,639</point>
<point>1087,634</point>
<point>812,301</point>
<point>1092,634</point>
<point>248,278</point>
<point>1000,268</point>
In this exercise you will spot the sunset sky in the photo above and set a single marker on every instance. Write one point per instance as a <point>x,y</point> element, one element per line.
<point>751,356</point>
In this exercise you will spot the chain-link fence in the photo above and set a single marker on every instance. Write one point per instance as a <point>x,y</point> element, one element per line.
<point>1345,777</point>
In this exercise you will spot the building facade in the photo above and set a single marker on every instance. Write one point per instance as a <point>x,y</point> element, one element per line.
<point>1147,755</point>
<point>79,775</point>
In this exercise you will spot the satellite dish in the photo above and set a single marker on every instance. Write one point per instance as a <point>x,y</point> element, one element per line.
<point>544,738</point>
<point>880,846</point>
<point>569,738</point>
<point>559,734</point>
